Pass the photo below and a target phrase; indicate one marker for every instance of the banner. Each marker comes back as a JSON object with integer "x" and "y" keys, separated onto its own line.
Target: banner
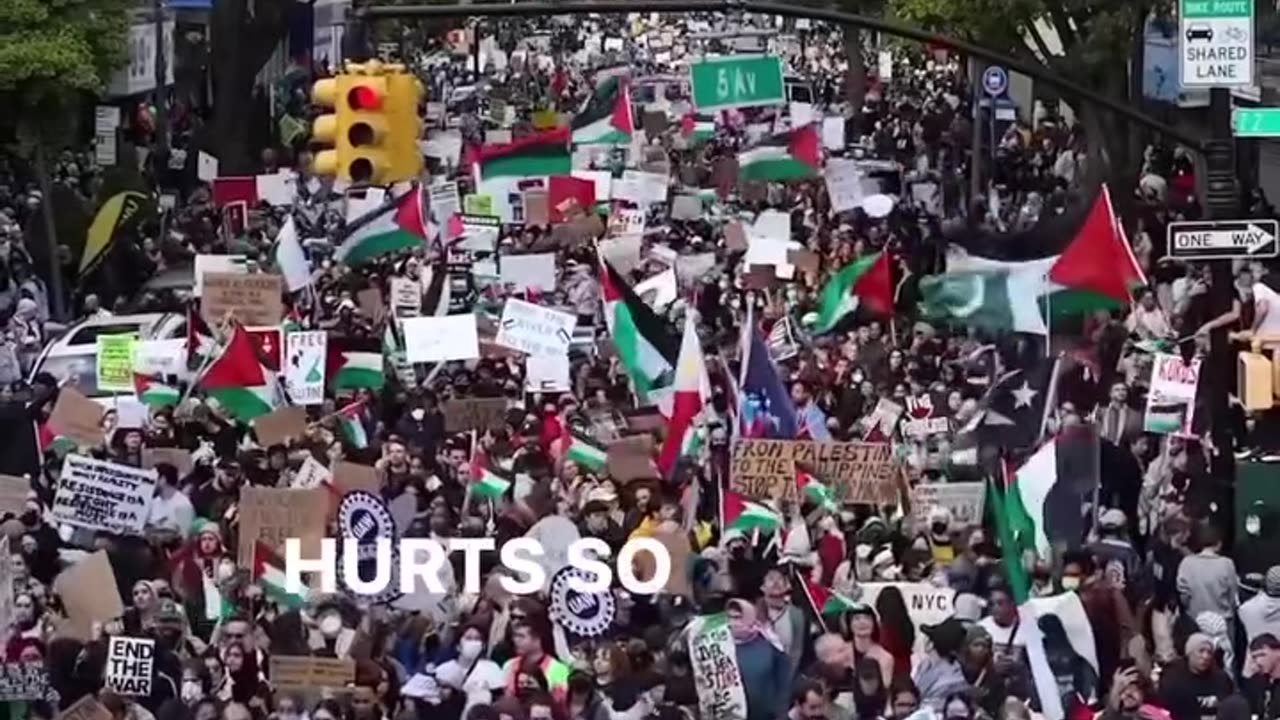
{"x": 721, "y": 695}
{"x": 304, "y": 366}
{"x": 103, "y": 496}
{"x": 462, "y": 414}
{"x": 963, "y": 500}
{"x": 535, "y": 330}
{"x": 115, "y": 363}
{"x": 129, "y": 665}
{"x": 1171, "y": 403}
{"x": 290, "y": 672}
{"x": 856, "y": 472}
{"x": 926, "y": 604}
{"x": 24, "y": 681}
{"x": 273, "y": 515}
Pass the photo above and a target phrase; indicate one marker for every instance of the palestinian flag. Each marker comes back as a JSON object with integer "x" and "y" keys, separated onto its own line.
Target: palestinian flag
{"x": 697, "y": 128}
{"x": 491, "y": 486}
{"x": 239, "y": 381}
{"x": 201, "y": 343}
{"x": 796, "y": 155}
{"x": 606, "y": 117}
{"x": 825, "y": 602}
{"x": 586, "y": 455}
{"x": 739, "y": 514}
{"x": 398, "y": 225}
{"x": 646, "y": 347}
{"x": 154, "y": 393}
{"x": 354, "y": 364}
{"x": 866, "y": 282}
{"x": 1042, "y": 505}
{"x": 991, "y": 299}
{"x": 352, "y": 426}
{"x": 268, "y": 572}
{"x": 811, "y": 489}
{"x": 537, "y": 155}
{"x": 1083, "y": 252}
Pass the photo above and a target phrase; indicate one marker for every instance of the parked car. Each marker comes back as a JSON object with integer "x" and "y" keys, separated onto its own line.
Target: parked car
{"x": 74, "y": 354}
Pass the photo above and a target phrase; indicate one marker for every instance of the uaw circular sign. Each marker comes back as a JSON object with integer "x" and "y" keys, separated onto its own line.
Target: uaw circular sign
{"x": 583, "y": 614}
{"x": 365, "y": 517}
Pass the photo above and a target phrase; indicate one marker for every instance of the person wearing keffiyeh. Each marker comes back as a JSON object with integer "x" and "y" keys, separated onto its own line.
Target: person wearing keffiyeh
{"x": 765, "y": 668}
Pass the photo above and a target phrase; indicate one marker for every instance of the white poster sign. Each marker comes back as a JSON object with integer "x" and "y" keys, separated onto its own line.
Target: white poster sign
{"x": 529, "y": 272}
{"x": 963, "y": 500}
{"x": 546, "y": 373}
{"x": 436, "y": 339}
{"x": 101, "y": 495}
{"x": 304, "y": 366}
{"x": 311, "y": 475}
{"x": 406, "y": 297}
{"x": 1171, "y": 403}
{"x": 844, "y": 184}
{"x": 535, "y": 330}
{"x": 129, "y": 665}
{"x": 926, "y": 604}
{"x": 160, "y": 357}
{"x": 217, "y": 264}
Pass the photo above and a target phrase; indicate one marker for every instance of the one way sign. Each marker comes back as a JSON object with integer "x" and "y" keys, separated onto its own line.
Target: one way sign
{"x": 1224, "y": 239}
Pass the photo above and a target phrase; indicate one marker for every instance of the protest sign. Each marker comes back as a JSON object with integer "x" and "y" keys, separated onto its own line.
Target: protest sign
{"x": 735, "y": 237}
{"x": 86, "y": 708}
{"x": 130, "y": 662}
{"x": 686, "y": 207}
{"x": 478, "y": 204}
{"x": 856, "y": 472}
{"x": 622, "y": 252}
{"x": 716, "y": 675}
{"x": 437, "y": 339}
{"x": 89, "y": 594}
{"x": 349, "y": 476}
{"x": 1171, "y": 403}
{"x": 103, "y": 496}
{"x": 115, "y": 362}
{"x": 300, "y": 672}
{"x": 479, "y": 414}
{"x": 271, "y": 515}
{"x": 844, "y": 184}
{"x": 537, "y": 208}
{"x": 131, "y": 413}
{"x": 630, "y": 459}
{"x": 926, "y": 604}
{"x": 77, "y": 417}
{"x": 14, "y": 492}
{"x": 177, "y": 457}
{"x": 546, "y": 373}
{"x": 691, "y": 268}
{"x": 370, "y": 303}
{"x": 312, "y": 474}
{"x": 280, "y": 426}
{"x": 406, "y": 297}
{"x": 535, "y": 330}
{"x": 528, "y": 272}
{"x": 160, "y": 357}
{"x": 882, "y": 421}
{"x": 24, "y": 681}
{"x": 206, "y": 264}
{"x": 963, "y": 500}
{"x": 251, "y": 299}
{"x": 304, "y": 366}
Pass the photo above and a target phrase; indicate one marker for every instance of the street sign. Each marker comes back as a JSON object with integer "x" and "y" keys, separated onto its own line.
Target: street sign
{"x": 1215, "y": 39}
{"x": 1255, "y": 122}
{"x": 737, "y": 81}
{"x": 995, "y": 80}
{"x": 1224, "y": 240}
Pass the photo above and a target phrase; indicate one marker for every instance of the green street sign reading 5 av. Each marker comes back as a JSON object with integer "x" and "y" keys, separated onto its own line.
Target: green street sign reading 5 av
{"x": 737, "y": 81}
{"x": 1255, "y": 122}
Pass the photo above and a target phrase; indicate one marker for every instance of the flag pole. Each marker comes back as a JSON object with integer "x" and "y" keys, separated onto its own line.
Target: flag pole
{"x": 1048, "y": 321}
{"x": 207, "y": 360}
{"x": 1050, "y": 398}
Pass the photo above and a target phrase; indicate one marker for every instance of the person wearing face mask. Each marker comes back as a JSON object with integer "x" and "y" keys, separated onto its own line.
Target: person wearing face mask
{"x": 787, "y": 621}
{"x": 196, "y": 683}
{"x": 1109, "y": 612}
{"x": 765, "y": 668}
{"x": 597, "y": 523}
{"x": 470, "y": 679}
{"x": 423, "y": 427}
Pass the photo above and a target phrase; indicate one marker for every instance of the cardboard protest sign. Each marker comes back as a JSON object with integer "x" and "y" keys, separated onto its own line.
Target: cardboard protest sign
{"x": 537, "y": 208}
{"x": 804, "y": 260}
{"x": 629, "y": 459}
{"x": 271, "y": 515}
{"x": 534, "y": 329}
{"x": 547, "y": 373}
{"x": 716, "y": 675}
{"x": 89, "y": 594}
{"x": 177, "y": 457}
{"x": 676, "y": 541}
{"x": 349, "y": 476}
{"x": 1171, "y": 404}
{"x": 370, "y": 302}
{"x": 963, "y": 500}
{"x": 77, "y": 417}
{"x": 6, "y": 584}
{"x": 844, "y": 184}
{"x": 130, "y": 662}
{"x": 298, "y": 672}
{"x": 103, "y": 496}
{"x": 86, "y": 708}
{"x": 439, "y": 339}
{"x": 280, "y": 426}
{"x": 312, "y": 474}
{"x": 209, "y": 264}
{"x": 24, "y": 681}
{"x": 480, "y": 414}
{"x": 14, "y": 492}
{"x": 253, "y": 299}
{"x": 735, "y": 237}
{"x": 856, "y": 472}
{"x": 115, "y": 362}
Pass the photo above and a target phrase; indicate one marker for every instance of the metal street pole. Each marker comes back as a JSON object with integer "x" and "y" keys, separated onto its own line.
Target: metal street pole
{"x": 976, "y": 68}
{"x": 162, "y": 88}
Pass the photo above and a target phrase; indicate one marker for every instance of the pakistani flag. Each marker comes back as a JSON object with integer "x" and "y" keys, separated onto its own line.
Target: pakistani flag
{"x": 998, "y": 300}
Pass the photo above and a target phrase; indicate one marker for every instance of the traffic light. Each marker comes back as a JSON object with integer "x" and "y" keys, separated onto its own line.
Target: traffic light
{"x": 374, "y": 129}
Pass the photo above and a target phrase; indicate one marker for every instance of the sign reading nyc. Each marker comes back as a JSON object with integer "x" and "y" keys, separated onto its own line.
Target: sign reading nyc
{"x": 1216, "y": 43}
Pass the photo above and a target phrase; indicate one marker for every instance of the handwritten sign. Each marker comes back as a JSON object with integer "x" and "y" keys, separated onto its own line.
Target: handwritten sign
{"x": 103, "y": 496}
{"x": 115, "y": 363}
{"x": 474, "y": 414}
{"x": 721, "y": 694}
{"x": 24, "y": 681}
{"x": 86, "y": 708}
{"x": 856, "y": 472}
{"x": 273, "y": 515}
{"x": 963, "y": 500}
{"x": 254, "y": 299}
{"x": 77, "y": 417}
{"x": 296, "y": 672}
{"x": 535, "y": 330}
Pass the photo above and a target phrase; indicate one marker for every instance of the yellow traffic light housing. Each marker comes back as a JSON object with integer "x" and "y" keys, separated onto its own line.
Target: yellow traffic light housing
{"x": 375, "y": 127}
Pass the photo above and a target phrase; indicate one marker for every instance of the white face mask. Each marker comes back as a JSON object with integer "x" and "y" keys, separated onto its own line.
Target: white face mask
{"x": 470, "y": 649}
{"x": 418, "y": 413}
{"x": 191, "y": 691}
{"x": 330, "y": 625}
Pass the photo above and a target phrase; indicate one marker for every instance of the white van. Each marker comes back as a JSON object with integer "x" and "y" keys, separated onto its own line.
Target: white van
{"x": 74, "y": 354}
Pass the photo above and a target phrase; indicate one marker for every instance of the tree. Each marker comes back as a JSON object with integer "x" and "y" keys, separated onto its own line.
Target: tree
{"x": 53, "y": 56}
{"x": 1096, "y": 45}
{"x": 243, "y": 35}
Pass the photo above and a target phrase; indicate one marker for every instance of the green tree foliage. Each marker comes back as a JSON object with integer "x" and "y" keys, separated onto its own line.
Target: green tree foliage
{"x": 54, "y": 53}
